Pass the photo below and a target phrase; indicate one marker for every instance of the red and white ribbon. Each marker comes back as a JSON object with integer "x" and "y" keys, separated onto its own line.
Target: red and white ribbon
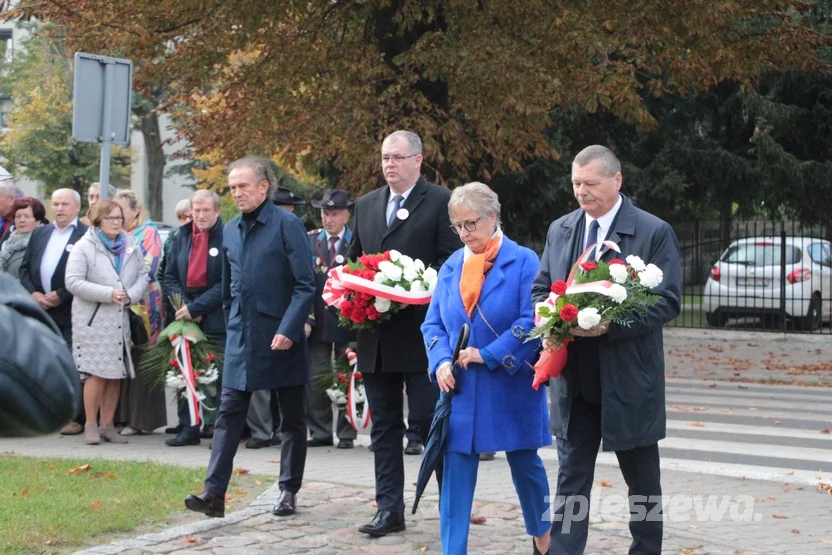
{"x": 357, "y": 421}
{"x": 339, "y": 283}
{"x": 182, "y": 354}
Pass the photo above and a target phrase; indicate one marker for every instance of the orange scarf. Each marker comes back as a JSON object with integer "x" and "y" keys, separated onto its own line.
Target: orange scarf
{"x": 473, "y": 274}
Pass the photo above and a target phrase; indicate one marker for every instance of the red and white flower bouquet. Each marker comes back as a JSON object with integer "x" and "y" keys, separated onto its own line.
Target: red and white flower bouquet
{"x": 594, "y": 292}
{"x": 376, "y": 286}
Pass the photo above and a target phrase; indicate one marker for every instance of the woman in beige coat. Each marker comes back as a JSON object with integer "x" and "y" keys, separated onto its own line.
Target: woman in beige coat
{"x": 106, "y": 274}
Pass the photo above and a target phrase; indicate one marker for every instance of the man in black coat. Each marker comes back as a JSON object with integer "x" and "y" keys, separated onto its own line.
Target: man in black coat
{"x": 43, "y": 269}
{"x": 612, "y": 387}
{"x": 329, "y": 248}
{"x": 410, "y": 215}
{"x": 194, "y": 272}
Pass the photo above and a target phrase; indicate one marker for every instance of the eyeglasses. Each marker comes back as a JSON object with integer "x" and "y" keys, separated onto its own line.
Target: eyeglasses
{"x": 396, "y": 159}
{"x": 114, "y": 219}
{"x": 470, "y": 225}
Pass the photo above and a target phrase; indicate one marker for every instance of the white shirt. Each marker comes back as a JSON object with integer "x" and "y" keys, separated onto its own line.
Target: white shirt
{"x": 54, "y": 251}
{"x": 391, "y": 203}
{"x": 338, "y": 243}
{"x": 604, "y": 224}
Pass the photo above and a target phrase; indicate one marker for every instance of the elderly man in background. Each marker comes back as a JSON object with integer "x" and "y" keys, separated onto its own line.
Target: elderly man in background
{"x": 8, "y": 194}
{"x": 93, "y": 196}
{"x": 194, "y": 272}
{"x": 43, "y": 269}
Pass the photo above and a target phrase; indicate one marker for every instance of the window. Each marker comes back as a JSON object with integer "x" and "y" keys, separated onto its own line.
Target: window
{"x": 821, "y": 253}
{"x": 763, "y": 253}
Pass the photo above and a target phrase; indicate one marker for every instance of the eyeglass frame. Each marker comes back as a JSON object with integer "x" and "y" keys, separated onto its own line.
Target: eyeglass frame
{"x": 113, "y": 219}
{"x": 469, "y": 225}
{"x": 396, "y": 159}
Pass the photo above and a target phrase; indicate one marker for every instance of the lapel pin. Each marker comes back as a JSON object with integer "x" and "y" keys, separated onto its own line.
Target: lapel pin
{"x": 69, "y": 248}
{"x": 339, "y": 259}
{"x": 402, "y": 214}
{"x": 213, "y": 251}
{"x": 129, "y": 250}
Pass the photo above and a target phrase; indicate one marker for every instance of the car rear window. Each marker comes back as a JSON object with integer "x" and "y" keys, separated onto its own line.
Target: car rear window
{"x": 760, "y": 254}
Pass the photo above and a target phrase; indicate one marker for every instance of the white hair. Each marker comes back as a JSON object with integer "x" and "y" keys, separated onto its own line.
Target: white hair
{"x": 413, "y": 140}
{"x": 7, "y": 188}
{"x": 76, "y": 196}
{"x": 203, "y": 194}
{"x": 182, "y": 206}
{"x": 477, "y": 196}
{"x": 597, "y": 152}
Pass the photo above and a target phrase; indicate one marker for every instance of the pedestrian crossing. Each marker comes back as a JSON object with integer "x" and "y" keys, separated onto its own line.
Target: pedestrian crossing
{"x": 752, "y": 431}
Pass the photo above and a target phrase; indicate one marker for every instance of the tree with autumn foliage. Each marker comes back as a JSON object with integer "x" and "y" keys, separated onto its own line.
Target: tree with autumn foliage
{"x": 476, "y": 79}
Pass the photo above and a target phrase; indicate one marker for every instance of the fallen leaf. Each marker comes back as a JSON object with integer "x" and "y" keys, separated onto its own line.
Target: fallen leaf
{"x": 477, "y": 519}
{"x": 79, "y": 469}
{"x": 240, "y": 491}
{"x": 795, "y": 531}
{"x": 95, "y": 505}
{"x": 783, "y": 517}
{"x": 712, "y": 386}
{"x": 24, "y": 492}
{"x": 688, "y": 550}
{"x": 697, "y": 424}
{"x": 603, "y": 484}
{"x": 277, "y": 461}
{"x": 771, "y": 497}
{"x": 777, "y": 422}
{"x": 191, "y": 539}
{"x": 826, "y": 541}
{"x": 825, "y": 431}
{"x": 789, "y": 473}
{"x": 258, "y": 483}
{"x": 241, "y": 471}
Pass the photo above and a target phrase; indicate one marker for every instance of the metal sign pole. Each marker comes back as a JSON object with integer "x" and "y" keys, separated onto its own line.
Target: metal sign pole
{"x": 106, "y": 132}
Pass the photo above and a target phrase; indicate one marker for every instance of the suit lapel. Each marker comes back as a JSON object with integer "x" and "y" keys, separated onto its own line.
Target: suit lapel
{"x": 623, "y": 224}
{"x": 380, "y": 209}
{"x": 413, "y": 200}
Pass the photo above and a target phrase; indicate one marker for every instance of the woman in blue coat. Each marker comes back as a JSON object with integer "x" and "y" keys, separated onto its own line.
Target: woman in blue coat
{"x": 487, "y": 284}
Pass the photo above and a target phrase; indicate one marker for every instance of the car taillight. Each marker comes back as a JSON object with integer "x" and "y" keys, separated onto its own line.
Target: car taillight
{"x": 799, "y": 275}
{"x": 715, "y": 273}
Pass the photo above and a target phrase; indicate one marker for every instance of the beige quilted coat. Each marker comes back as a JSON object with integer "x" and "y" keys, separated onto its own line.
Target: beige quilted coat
{"x": 98, "y": 343}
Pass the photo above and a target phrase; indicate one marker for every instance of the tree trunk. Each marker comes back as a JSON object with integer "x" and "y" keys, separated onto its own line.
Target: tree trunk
{"x": 725, "y": 206}
{"x": 155, "y": 154}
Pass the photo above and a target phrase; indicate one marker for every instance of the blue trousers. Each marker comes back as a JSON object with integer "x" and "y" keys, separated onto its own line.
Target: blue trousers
{"x": 458, "y": 484}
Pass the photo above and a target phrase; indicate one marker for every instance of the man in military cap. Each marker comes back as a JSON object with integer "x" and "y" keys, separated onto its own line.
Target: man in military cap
{"x": 263, "y": 417}
{"x": 329, "y": 248}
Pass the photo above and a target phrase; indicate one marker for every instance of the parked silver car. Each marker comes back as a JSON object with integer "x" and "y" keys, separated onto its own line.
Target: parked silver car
{"x": 746, "y": 281}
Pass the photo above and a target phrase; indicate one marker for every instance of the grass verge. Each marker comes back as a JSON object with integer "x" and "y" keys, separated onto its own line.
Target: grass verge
{"x": 51, "y": 506}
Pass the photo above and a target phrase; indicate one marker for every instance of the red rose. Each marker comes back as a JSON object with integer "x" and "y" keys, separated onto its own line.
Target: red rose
{"x": 569, "y": 312}
{"x": 358, "y": 375}
{"x": 342, "y": 378}
{"x": 588, "y": 266}
{"x": 358, "y": 316}
{"x": 372, "y": 313}
{"x": 346, "y": 308}
{"x": 559, "y": 287}
{"x": 209, "y": 358}
{"x": 385, "y": 256}
{"x": 617, "y": 261}
{"x": 174, "y": 363}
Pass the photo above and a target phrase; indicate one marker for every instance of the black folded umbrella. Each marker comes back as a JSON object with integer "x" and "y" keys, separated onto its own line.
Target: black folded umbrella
{"x": 438, "y": 435}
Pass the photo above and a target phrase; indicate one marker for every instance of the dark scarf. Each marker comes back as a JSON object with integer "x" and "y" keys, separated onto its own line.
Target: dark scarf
{"x": 198, "y": 260}
{"x": 250, "y": 217}
{"x": 116, "y": 248}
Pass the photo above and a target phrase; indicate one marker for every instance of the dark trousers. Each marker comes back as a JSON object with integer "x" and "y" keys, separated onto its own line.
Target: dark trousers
{"x": 576, "y": 471}
{"x": 229, "y": 429}
{"x": 384, "y": 393}
{"x": 413, "y": 433}
{"x": 318, "y": 404}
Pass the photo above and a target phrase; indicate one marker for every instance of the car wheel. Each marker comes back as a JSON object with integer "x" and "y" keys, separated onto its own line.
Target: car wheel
{"x": 811, "y": 321}
{"x": 716, "y": 319}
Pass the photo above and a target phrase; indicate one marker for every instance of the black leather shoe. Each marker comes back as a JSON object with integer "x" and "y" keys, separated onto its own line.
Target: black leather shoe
{"x": 207, "y": 503}
{"x": 174, "y": 430}
{"x": 346, "y": 444}
{"x": 385, "y": 522}
{"x": 276, "y": 439}
{"x": 207, "y": 431}
{"x": 257, "y": 443}
{"x": 312, "y": 442}
{"x": 286, "y": 504}
{"x": 414, "y": 447}
{"x": 181, "y": 440}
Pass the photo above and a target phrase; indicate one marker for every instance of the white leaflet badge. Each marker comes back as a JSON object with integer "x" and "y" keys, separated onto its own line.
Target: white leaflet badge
{"x": 213, "y": 251}
{"x": 129, "y": 250}
{"x": 69, "y": 248}
{"x": 402, "y": 214}
{"x": 339, "y": 259}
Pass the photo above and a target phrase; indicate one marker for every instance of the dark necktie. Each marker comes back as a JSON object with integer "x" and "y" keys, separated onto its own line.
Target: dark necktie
{"x": 332, "y": 241}
{"x": 397, "y": 203}
{"x": 592, "y": 238}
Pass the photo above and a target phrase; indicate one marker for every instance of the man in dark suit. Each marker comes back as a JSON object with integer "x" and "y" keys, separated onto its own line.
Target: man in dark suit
{"x": 410, "y": 215}
{"x": 268, "y": 284}
{"x": 612, "y": 387}
{"x": 43, "y": 268}
{"x": 329, "y": 248}
{"x": 194, "y": 272}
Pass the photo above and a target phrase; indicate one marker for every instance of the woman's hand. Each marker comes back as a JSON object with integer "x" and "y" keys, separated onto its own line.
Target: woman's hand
{"x": 595, "y": 331}
{"x": 445, "y": 378}
{"x": 120, "y": 297}
{"x": 471, "y": 355}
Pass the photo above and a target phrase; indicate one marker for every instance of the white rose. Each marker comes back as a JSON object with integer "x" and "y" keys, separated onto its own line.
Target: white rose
{"x": 651, "y": 277}
{"x": 382, "y": 305}
{"x": 588, "y": 318}
{"x": 420, "y": 266}
{"x": 429, "y": 276}
{"x": 407, "y": 262}
{"x": 395, "y": 255}
{"x": 618, "y": 272}
{"x": 390, "y": 271}
{"x": 636, "y": 262}
{"x": 431, "y": 286}
{"x": 399, "y": 287}
{"x": 379, "y": 277}
{"x": 417, "y": 286}
{"x": 410, "y": 273}
{"x": 617, "y": 293}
